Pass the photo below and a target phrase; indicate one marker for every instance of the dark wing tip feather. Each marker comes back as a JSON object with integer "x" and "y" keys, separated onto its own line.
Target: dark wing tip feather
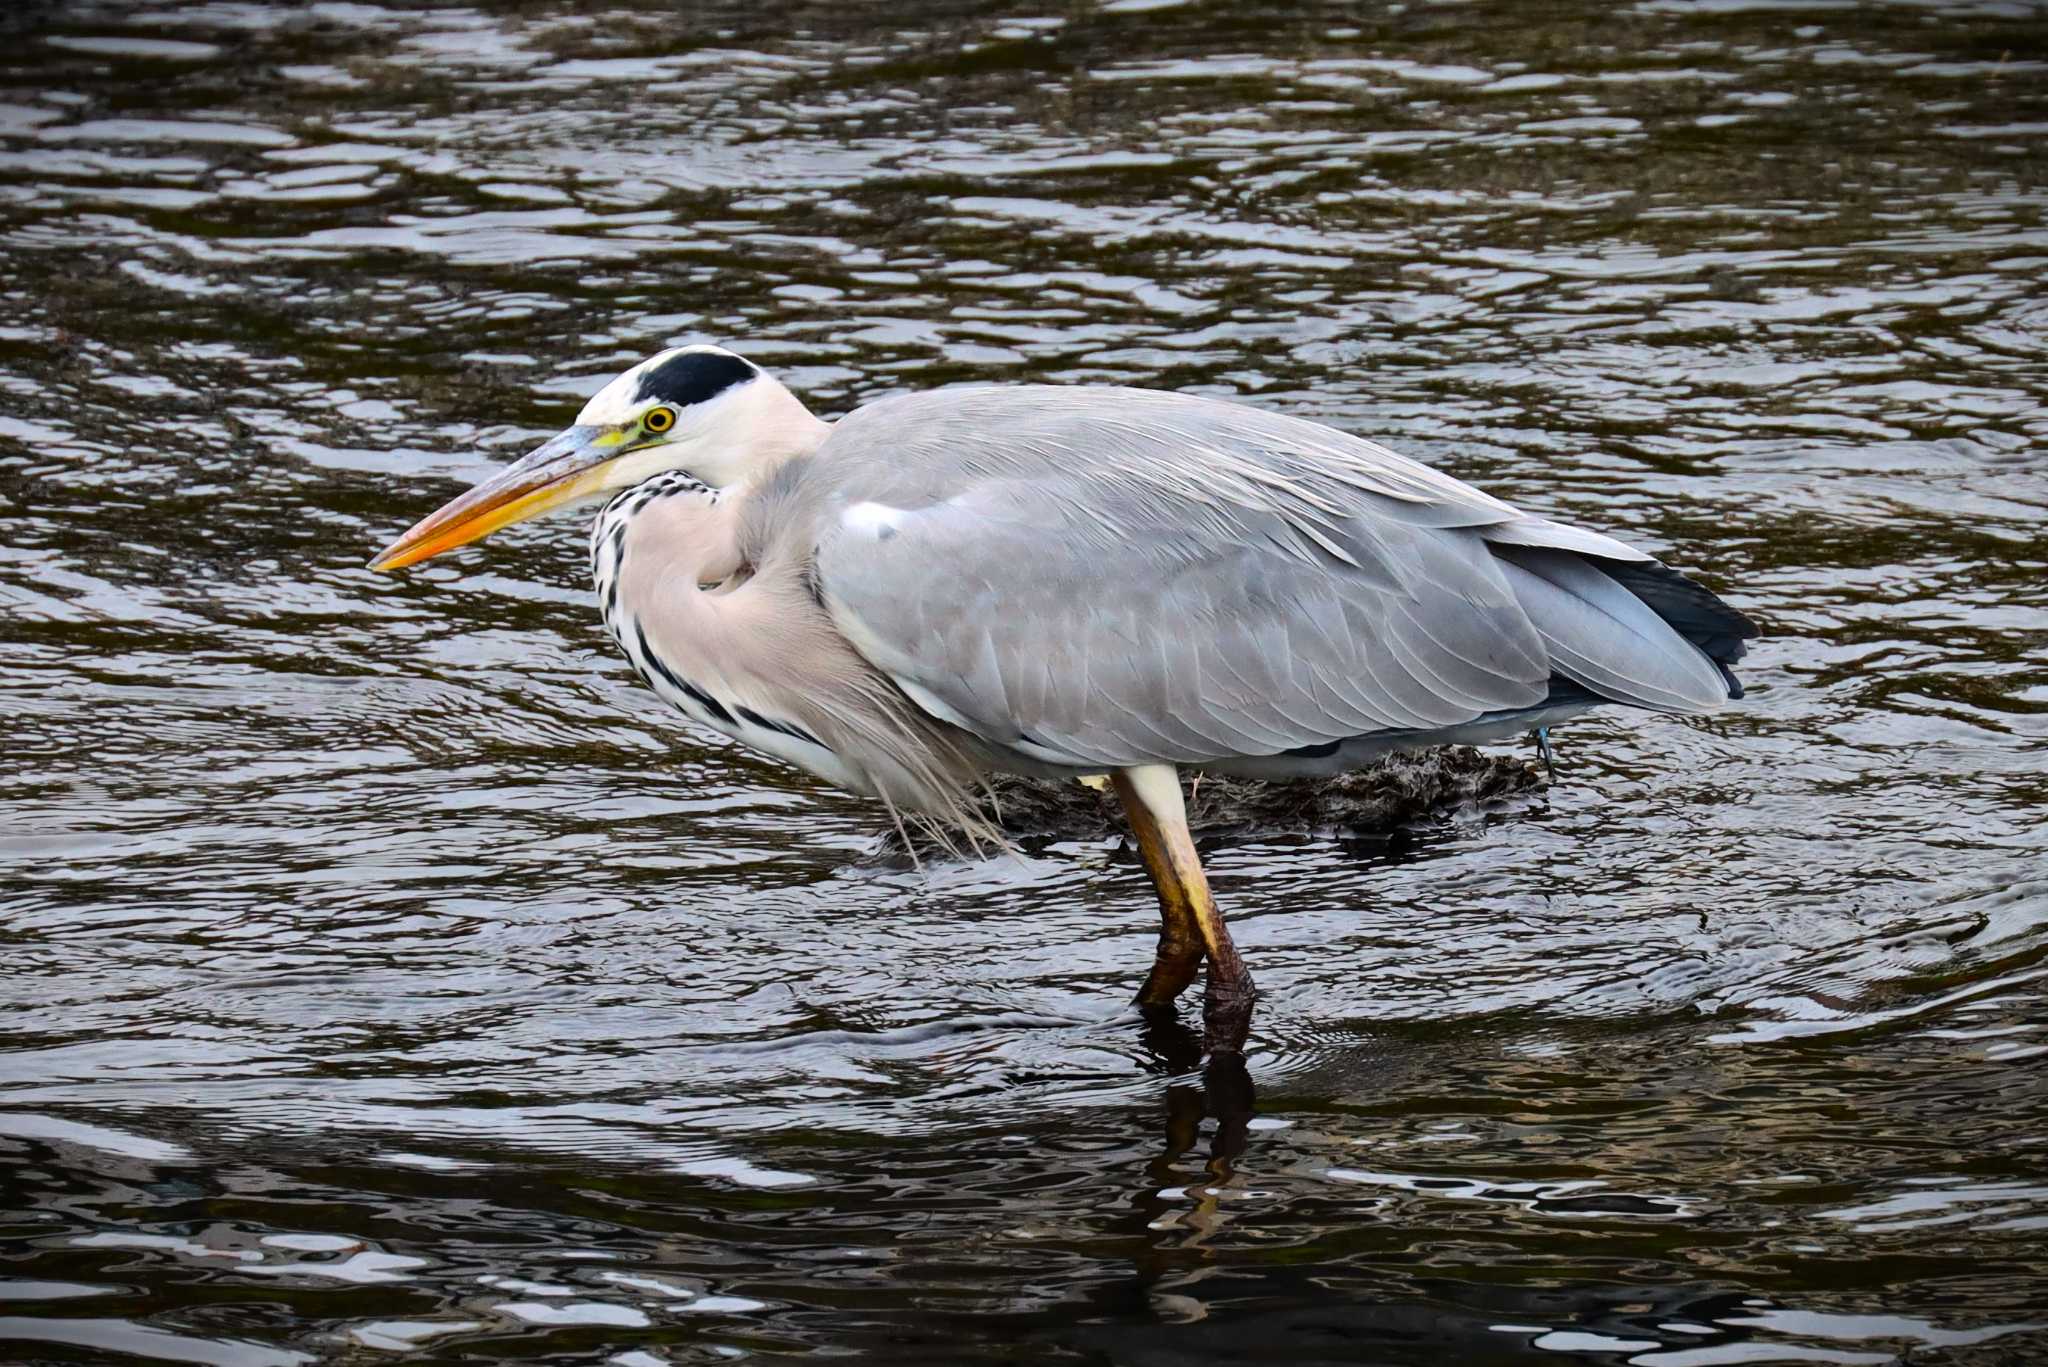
{"x": 1693, "y": 611}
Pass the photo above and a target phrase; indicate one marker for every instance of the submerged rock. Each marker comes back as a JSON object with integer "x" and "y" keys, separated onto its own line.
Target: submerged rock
{"x": 1453, "y": 783}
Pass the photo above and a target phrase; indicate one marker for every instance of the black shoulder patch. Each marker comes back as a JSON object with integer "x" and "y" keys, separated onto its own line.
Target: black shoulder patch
{"x": 693, "y": 377}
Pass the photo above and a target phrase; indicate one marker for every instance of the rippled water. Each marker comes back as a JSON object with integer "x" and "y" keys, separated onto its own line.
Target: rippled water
{"x": 387, "y": 974}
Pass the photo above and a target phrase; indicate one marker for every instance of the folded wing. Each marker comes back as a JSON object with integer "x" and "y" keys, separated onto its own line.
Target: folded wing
{"x": 1114, "y": 577}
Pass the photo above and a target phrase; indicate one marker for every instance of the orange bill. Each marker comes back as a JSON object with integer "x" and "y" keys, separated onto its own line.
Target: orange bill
{"x": 563, "y": 470}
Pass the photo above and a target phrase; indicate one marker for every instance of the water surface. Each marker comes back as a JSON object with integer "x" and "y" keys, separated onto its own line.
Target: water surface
{"x": 387, "y": 974}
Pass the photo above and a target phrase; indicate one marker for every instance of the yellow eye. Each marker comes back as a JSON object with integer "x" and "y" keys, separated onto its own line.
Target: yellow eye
{"x": 658, "y": 419}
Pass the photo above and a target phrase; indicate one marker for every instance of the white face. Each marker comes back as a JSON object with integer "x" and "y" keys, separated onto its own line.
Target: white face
{"x": 677, "y": 410}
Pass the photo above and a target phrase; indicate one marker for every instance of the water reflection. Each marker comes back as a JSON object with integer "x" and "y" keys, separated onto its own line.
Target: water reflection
{"x": 385, "y": 974}
{"x": 1381, "y": 1210}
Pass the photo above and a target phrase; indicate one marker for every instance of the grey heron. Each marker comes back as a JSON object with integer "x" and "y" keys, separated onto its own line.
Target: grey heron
{"x": 1083, "y": 580}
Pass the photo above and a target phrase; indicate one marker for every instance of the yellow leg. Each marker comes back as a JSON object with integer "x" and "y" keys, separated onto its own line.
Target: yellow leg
{"x": 1191, "y": 926}
{"x": 1180, "y": 938}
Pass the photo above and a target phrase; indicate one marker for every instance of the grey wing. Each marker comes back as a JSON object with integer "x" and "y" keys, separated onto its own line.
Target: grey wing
{"x": 1171, "y": 580}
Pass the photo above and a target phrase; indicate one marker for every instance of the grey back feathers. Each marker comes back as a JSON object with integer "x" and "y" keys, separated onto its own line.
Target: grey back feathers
{"x": 1100, "y": 577}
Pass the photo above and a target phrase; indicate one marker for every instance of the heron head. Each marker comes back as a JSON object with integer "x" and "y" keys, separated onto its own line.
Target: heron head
{"x": 696, "y": 408}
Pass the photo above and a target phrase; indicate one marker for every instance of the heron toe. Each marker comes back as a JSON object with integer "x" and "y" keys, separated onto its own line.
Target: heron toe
{"x": 1227, "y": 1011}
{"x": 1173, "y": 968}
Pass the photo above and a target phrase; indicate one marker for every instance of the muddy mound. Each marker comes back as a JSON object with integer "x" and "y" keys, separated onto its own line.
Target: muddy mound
{"x": 1453, "y": 783}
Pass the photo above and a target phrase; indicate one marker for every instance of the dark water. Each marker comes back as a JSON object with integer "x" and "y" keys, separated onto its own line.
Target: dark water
{"x": 387, "y": 975}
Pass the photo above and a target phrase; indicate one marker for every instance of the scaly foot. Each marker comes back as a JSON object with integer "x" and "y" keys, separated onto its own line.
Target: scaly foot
{"x": 1227, "y": 1010}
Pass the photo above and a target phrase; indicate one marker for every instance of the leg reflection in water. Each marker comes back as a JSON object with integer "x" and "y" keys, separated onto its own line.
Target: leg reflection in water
{"x": 1224, "y": 1094}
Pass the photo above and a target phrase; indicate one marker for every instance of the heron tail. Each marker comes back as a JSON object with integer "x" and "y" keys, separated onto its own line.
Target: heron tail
{"x": 1631, "y": 631}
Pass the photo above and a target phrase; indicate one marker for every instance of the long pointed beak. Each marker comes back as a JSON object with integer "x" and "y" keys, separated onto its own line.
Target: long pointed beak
{"x": 563, "y": 469}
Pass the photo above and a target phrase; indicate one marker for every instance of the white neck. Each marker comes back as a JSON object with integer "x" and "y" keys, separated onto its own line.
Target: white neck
{"x": 778, "y": 429}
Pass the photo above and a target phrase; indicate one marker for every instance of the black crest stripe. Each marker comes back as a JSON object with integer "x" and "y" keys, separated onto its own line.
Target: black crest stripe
{"x": 693, "y": 377}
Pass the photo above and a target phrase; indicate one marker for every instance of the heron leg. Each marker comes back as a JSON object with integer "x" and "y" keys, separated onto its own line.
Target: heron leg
{"x": 1151, "y": 795}
{"x": 1180, "y": 936}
